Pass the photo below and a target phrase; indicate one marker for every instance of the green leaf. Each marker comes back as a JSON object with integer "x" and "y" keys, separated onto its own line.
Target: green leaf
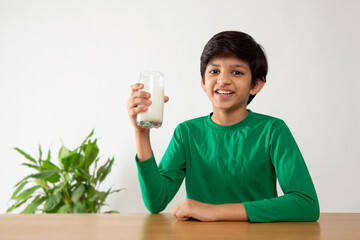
{"x": 76, "y": 160}
{"x": 79, "y": 207}
{"x": 21, "y": 181}
{"x": 66, "y": 177}
{"x": 64, "y": 209}
{"x": 91, "y": 153}
{"x": 19, "y": 188}
{"x": 59, "y": 189}
{"x": 31, "y": 166}
{"x": 90, "y": 192}
{"x": 50, "y": 203}
{"x": 40, "y": 153}
{"x": 50, "y": 166}
{"x": 112, "y": 211}
{"x": 58, "y": 198}
{"x": 67, "y": 162}
{"x": 117, "y": 190}
{"x": 89, "y": 136}
{"x": 76, "y": 195}
{"x": 98, "y": 197}
{"x": 63, "y": 153}
{"x": 99, "y": 173}
{"x": 95, "y": 166}
{"x": 94, "y": 196}
{"x": 26, "y": 194}
{"x": 104, "y": 170}
{"x": 42, "y": 183}
{"x": 32, "y": 207}
{"x": 44, "y": 174}
{"x": 53, "y": 179}
{"x": 81, "y": 175}
{"x": 15, "y": 205}
{"x": 27, "y": 156}
{"x": 48, "y": 155}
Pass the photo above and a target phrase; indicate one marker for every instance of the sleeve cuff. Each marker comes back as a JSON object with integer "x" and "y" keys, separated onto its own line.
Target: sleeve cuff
{"x": 144, "y": 164}
{"x": 249, "y": 211}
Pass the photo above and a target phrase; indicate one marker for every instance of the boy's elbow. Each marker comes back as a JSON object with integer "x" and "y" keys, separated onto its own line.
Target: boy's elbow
{"x": 307, "y": 208}
{"x": 154, "y": 203}
{"x": 153, "y": 209}
{"x": 314, "y": 214}
{"x": 312, "y": 211}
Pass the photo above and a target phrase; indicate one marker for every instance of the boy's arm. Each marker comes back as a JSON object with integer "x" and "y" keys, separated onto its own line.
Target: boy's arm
{"x": 139, "y": 102}
{"x": 143, "y": 145}
{"x": 155, "y": 189}
{"x": 159, "y": 184}
{"x": 299, "y": 202}
{"x": 209, "y": 212}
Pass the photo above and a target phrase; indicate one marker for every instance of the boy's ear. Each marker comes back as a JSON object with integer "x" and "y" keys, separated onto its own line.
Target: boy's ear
{"x": 203, "y": 84}
{"x": 258, "y": 86}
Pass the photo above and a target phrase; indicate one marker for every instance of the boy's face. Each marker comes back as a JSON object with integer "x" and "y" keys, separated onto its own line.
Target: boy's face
{"x": 228, "y": 83}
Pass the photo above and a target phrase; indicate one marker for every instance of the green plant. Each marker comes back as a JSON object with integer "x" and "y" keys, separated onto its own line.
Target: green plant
{"x": 71, "y": 187}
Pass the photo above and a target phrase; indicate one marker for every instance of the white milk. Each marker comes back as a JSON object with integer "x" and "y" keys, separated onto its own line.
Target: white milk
{"x": 153, "y": 117}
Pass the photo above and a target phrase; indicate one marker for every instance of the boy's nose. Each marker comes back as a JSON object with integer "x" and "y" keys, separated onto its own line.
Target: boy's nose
{"x": 223, "y": 80}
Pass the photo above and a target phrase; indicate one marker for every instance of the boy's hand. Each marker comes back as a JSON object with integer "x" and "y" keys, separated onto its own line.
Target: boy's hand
{"x": 142, "y": 135}
{"x": 136, "y": 99}
{"x": 194, "y": 209}
{"x": 209, "y": 212}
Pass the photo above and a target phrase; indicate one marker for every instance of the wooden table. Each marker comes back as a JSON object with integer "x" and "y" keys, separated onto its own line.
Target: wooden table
{"x": 165, "y": 226}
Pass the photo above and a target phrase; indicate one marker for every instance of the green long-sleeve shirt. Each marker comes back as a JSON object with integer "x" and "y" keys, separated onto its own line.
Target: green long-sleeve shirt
{"x": 234, "y": 164}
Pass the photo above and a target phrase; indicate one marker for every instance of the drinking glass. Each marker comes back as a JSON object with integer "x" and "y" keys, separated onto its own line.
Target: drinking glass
{"x": 154, "y": 84}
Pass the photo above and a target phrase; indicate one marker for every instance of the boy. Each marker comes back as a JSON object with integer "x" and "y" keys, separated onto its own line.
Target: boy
{"x": 231, "y": 158}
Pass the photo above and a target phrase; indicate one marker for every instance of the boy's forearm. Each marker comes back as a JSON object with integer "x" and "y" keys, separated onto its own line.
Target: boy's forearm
{"x": 209, "y": 212}
{"x": 143, "y": 145}
{"x": 231, "y": 212}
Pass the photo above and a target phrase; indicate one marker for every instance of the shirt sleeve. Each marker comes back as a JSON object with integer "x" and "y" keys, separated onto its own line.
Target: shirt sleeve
{"x": 160, "y": 184}
{"x": 299, "y": 202}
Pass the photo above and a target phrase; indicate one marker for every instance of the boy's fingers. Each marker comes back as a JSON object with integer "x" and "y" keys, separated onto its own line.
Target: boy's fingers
{"x": 181, "y": 215}
{"x": 175, "y": 210}
{"x": 133, "y": 103}
{"x": 166, "y": 99}
{"x": 140, "y": 94}
{"x": 136, "y": 110}
{"x": 136, "y": 86}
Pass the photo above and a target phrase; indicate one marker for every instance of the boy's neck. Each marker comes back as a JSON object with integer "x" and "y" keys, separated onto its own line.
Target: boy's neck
{"x": 224, "y": 118}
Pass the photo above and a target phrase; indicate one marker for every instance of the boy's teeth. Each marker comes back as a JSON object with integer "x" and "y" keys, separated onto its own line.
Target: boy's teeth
{"x": 223, "y": 92}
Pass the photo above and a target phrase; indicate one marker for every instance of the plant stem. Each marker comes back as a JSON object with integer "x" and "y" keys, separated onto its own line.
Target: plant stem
{"x": 67, "y": 197}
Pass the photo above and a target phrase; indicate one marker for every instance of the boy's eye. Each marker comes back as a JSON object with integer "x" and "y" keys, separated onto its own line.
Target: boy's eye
{"x": 237, "y": 73}
{"x": 214, "y": 71}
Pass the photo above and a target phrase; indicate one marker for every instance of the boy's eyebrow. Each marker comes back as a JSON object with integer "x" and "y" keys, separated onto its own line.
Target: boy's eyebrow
{"x": 239, "y": 66}
{"x": 234, "y": 66}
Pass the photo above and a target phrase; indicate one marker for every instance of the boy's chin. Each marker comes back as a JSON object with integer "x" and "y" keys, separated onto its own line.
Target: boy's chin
{"x": 229, "y": 108}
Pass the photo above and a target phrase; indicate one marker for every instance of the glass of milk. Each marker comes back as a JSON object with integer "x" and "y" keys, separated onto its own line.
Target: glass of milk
{"x": 154, "y": 84}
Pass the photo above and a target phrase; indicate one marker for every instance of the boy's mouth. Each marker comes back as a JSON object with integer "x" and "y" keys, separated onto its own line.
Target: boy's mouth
{"x": 224, "y": 92}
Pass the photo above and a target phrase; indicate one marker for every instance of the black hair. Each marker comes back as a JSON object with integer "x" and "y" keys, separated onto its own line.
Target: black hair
{"x": 241, "y": 45}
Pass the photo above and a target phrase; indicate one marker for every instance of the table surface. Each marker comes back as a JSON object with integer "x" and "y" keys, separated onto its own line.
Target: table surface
{"x": 340, "y": 226}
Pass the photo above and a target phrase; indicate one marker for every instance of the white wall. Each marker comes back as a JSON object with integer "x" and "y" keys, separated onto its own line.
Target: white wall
{"x": 66, "y": 67}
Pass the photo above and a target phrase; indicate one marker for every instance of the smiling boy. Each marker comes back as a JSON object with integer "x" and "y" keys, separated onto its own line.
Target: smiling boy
{"x": 228, "y": 84}
{"x": 231, "y": 158}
